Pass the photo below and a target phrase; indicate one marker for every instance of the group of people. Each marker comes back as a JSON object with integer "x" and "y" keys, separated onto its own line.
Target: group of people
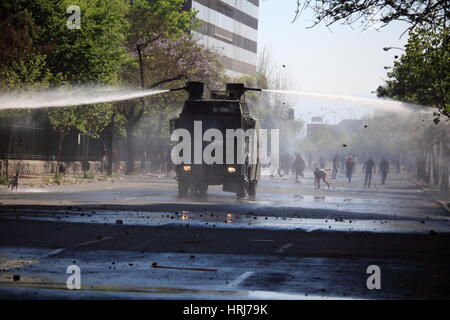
{"x": 291, "y": 163}
{"x": 348, "y": 167}
{"x": 369, "y": 169}
{"x": 345, "y": 164}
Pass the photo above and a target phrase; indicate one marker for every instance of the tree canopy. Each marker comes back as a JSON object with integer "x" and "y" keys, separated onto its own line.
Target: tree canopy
{"x": 422, "y": 74}
{"x": 369, "y": 12}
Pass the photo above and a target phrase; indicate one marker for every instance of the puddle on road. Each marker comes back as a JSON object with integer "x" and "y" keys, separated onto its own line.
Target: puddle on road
{"x": 232, "y": 220}
{"x": 30, "y": 283}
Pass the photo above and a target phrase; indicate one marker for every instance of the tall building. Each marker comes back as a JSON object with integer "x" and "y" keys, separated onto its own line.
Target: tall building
{"x": 230, "y": 29}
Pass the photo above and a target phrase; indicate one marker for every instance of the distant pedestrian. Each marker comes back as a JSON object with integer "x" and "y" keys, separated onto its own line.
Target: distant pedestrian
{"x": 14, "y": 182}
{"x": 322, "y": 162}
{"x": 62, "y": 170}
{"x": 299, "y": 166}
{"x": 397, "y": 165}
{"x": 285, "y": 162}
{"x": 349, "y": 168}
{"x": 288, "y": 163}
{"x": 336, "y": 166}
{"x": 320, "y": 174}
{"x": 384, "y": 170}
{"x": 343, "y": 162}
{"x": 368, "y": 169}
{"x": 275, "y": 164}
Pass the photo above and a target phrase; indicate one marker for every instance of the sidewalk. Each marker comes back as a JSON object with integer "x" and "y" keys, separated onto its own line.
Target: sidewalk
{"x": 441, "y": 197}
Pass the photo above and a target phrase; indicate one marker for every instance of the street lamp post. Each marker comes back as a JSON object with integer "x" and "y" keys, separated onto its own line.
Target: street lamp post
{"x": 389, "y": 48}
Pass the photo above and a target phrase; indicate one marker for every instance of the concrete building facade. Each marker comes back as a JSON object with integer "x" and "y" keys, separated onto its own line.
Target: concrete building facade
{"x": 230, "y": 29}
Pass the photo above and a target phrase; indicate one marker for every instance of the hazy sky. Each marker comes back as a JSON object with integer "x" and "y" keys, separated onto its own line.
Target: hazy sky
{"x": 342, "y": 60}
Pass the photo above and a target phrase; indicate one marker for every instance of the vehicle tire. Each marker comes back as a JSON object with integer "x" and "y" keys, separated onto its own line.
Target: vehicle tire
{"x": 193, "y": 188}
{"x": 183, "y": 188}
{"x": 251, "y": 190}
{"x": 202, "y": 190}
{"x": 241, "y": 192}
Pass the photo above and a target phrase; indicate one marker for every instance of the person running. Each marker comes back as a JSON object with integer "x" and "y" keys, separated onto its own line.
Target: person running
{"x": 299, "y": 166}
{"x": 320, "y": 174}
{"x": 349, "y": 167}
{"x": 368, "y": 169}
{"x": 384, "y": 170}
{"x": 336, "y": 166}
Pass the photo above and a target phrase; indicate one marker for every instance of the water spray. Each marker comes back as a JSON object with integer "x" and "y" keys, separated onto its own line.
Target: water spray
{"x": 86, "y": 95}
{"x": 71, "y": 96}
{"x": 386, "y": 105}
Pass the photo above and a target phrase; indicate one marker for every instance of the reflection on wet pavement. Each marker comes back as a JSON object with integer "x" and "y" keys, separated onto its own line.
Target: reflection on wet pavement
{"x": 230, "y": 220}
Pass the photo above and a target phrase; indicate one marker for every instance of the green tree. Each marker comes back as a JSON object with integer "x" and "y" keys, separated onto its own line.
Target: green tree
{"x": 93, "y": 54}
{"x": 422, "y": 74}
{"x": 158, "y": 42}
{"x": 368, "y": 12}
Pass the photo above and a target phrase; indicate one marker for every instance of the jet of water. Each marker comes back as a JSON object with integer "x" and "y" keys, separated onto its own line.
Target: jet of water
{"x": 385, "y": 105}
{"x": 70, "y": 96}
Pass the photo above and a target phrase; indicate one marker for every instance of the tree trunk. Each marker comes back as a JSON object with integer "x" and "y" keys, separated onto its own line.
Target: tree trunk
{"x": 141, "y": 67}
{"x": 445, "y": 159}
{"x": 110, "y": 145}
{"x": 11, "y": 133}
{"x": 428, "y": 159}
{"x": 130, "y": 147}
{"x": 436, "y": 152}
{"x": 421, "y": 163}
{"x": 60, "y": 146}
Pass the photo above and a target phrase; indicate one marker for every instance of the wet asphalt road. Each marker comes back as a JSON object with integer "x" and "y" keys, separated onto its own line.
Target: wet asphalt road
{"x": 133, "y": 238}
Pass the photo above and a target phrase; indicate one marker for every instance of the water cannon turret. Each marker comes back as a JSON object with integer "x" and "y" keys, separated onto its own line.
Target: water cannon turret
{"x": 236, "y": 90}
{"x": 194, "y": 88}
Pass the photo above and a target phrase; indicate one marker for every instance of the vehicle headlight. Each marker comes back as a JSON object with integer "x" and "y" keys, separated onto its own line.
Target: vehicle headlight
{"x": 187, "y": 168}
{"x": 231, "y": 169}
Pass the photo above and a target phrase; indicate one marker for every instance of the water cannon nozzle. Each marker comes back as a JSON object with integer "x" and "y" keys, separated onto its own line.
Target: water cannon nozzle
{"x": 253, "y": 89}
{"x": 194, "y": 88}
{"x": 237, "y": 90}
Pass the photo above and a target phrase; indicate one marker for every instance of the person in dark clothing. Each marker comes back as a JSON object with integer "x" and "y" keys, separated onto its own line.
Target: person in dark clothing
{"x": 349, "y": 167}
{"x": 336, "y": 166}
{"x": 322, "y": 162}
{"x": 62, "y": 169}
{"x": 285, "y": 163}
{"x": 298, "y": 166}
{"x": 310, "y": 159}
{"x": 384, "y": 170}
{"x": 397, "y": 165}
{"x": 14, "y": 182}
{"x": 288, "y": 163}
{"x": 368, "y": 169}
{"x": 320, "y": 174}
{"x": 343, "y": 162}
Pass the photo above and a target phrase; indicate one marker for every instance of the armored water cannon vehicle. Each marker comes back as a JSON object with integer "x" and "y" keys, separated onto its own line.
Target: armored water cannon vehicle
{"x": 223, "y": 147}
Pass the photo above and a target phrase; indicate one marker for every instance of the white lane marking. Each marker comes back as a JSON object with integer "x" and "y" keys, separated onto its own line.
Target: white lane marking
{"x": 284, "y": 248}
{"x": 55, "y": 252}
{"x": 90, "y": 242}
{"x": 141, "y": 244}
{"x": 240, "y": 279}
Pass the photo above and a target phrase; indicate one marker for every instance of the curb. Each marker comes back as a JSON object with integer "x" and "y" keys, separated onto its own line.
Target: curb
{"x": 442, "y": 203}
